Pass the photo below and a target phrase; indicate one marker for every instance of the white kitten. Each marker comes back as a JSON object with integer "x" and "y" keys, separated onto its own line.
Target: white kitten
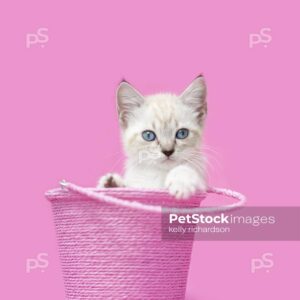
{"x": 162, "y": 135}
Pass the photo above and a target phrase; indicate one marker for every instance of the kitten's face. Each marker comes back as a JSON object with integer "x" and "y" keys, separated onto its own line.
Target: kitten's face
{"x": 163, "y": 129}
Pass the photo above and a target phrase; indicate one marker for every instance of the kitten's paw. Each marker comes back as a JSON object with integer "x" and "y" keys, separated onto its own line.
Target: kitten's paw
{"x": 180, "y": 188}
{"x": 111, "y": 180}
{"x": 183, "y": 182}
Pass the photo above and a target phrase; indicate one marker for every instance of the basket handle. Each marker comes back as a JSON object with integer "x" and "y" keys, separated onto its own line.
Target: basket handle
{"x": 101, "y": 196}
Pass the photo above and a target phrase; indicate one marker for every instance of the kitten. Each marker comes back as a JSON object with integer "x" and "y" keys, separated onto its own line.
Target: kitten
{"x": 162, "y": 135}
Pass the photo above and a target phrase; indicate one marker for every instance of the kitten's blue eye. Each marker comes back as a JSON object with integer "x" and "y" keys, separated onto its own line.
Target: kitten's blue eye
{"x": 148, "y": 135}
{"x": 182, "y": 133}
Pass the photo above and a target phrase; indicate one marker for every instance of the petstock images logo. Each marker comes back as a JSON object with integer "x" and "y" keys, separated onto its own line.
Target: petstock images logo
{"x": 243, "y": 224}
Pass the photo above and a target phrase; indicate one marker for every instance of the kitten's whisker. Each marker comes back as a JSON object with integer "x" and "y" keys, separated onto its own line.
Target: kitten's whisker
{"x": 202, "y": 168}
{"x": 116, "y": 163}
{"x": 212, "y": 166}
{"x": 208, "y": 147}
{"x": 208, "y": 156}
{"x": 113, "y": 154}
{"x": 203, "y": 160}
{"x": 200, "y": 164}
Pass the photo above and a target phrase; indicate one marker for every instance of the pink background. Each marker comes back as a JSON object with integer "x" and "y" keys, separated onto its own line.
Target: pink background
{"x": 58, "y": 120}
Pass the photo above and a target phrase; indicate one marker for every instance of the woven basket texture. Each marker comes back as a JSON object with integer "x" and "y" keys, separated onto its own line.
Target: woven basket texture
{"x": 115, "y": 252}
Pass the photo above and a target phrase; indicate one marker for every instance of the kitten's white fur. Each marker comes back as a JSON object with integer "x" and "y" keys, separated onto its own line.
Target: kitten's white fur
{"x": 147, "y": 167}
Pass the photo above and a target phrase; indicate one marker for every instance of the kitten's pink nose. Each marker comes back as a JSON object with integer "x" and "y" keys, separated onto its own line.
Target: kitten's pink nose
{"x": 168, "y": 152}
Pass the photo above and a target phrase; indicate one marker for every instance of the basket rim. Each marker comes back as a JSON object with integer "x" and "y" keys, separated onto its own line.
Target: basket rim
{"x": 60, "y": 192}
{"x": 110, "y": 195}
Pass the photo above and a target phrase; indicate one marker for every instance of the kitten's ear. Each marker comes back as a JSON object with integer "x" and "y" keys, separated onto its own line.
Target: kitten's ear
{"x": 128, "y": 99}
{"x": 195, "y": 96}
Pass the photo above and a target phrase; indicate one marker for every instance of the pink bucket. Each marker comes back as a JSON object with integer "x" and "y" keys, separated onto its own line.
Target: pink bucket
{"x": 110, "y": 243}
